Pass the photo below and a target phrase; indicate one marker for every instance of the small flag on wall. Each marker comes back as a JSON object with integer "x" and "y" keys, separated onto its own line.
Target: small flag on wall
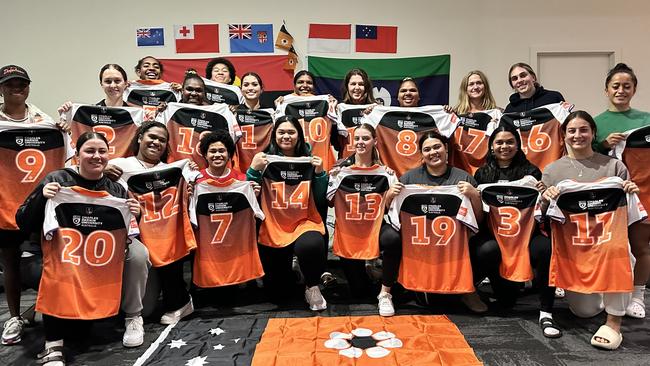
{"x": 253, "y": 38}
{"x": 329, "y": 38}
{"x": 284, "y": 40}
{"x": 197, "y": 38}
{"x": 375, "y": 38}
{"x": 150, "y": 37}
{"x": 292, "y": 60}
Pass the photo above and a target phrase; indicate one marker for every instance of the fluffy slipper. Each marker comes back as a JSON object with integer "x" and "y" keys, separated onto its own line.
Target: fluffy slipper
{"x": 636, "y": 309}
{"x": 548, "y": 323}
{"x": 606, "y": 338}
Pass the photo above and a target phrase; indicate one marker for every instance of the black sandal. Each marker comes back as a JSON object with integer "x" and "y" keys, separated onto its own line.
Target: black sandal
{"x": 47, "y": 355}
{"x": 546, "y": 323}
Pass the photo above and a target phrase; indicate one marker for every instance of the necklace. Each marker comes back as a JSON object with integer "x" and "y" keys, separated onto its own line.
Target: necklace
{"x": 575, "y": 167}
{"x": 141, "y": 163}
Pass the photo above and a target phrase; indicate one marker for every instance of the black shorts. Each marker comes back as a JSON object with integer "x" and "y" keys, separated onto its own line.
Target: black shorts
{"x": 11, "y": 238}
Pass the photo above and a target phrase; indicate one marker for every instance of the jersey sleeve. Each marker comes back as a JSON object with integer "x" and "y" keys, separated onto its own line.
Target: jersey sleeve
{"x": 50, "y": 224}
{"x": 466, "y": 214}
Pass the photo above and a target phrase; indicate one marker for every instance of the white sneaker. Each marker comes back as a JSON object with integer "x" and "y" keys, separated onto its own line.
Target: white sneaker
{"x": 386, "y": 307}
{"x": 134, "y": 333}
{"x": 559, "y": 293}
{"x": 13, "y": 330}
{"x": 315, "y": 299}
{"x": 174, "y": 316}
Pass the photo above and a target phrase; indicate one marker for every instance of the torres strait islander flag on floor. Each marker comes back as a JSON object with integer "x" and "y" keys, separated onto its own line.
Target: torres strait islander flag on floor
{"x": 318, "y": 341}
{"x": 277, "y": 80}
{"x": 431, "y": 73}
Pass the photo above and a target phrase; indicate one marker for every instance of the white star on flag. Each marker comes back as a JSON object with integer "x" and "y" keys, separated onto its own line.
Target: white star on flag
{"x": 236, "y": 340}
{"x": 197, "y": 361}
{"x": 218, "y": 347}
{"x": 217, "y": 331}
{"x": 177, "y": 343}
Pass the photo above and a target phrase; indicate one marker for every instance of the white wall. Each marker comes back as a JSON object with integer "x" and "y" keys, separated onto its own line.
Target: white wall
{"x": 63, "y": 43}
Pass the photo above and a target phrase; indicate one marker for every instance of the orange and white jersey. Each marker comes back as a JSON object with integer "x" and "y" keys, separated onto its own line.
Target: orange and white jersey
{"x": 511, "y": 219}
{"x": 358, "y": 195}
{"x": 187, "y": 123}
{"x": 256, "y": 127}
{"x": 349, "y": 116}
{"x": 29, "y": 152}
{"x": 148, "y": 94}
{"x": 216, "y": 92}
{"x": 634, "y": 151}
{"x": 227, "y": 239}
{"x": 399, "y": 129}
{"x": 287, "y": 201}
{"x": 117, "y": 124}
{"x": 85, "y": 238}
{"x": 314, "y": 115}
{"x": 541, "y": 133}
{"x": 435, "y": 222}
{"x": 589, "y": 236}
{"x": 165, "y": 226}
{"x": 469, "y": 145}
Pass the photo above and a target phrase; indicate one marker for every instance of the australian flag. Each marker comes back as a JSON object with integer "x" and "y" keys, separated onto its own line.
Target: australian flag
{"x": 150, "y": 37}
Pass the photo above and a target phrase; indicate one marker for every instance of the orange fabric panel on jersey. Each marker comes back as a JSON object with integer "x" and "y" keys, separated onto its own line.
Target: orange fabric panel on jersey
{"x": 392, "y": 341}
{"x": 317, "y": 133}
{"x": 350, "y": 118}
{"x": 116, "y": 124}
{"x": 636, "y": 159}
{"x": 469, "y": 145}
{"x": 288, "y": 204}
{"x": 256, "y": 130}
{"x": 164, "y": 222}
{"x": 359, "y": 210}
{"x": 590, "y": 250}
{"x": 27, "y": 156}
{"x": 512, "y": 220}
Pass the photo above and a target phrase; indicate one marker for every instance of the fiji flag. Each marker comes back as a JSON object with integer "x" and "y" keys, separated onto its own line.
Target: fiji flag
{"x": 150, "y": 37}
{"x": 251, "y": 38}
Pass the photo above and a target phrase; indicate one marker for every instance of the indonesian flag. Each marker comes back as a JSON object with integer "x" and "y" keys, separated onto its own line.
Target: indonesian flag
{"x": 329, "y": 38}
{"x": 197, "y": 38}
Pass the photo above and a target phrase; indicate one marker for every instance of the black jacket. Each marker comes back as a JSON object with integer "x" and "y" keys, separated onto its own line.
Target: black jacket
{"x": 541, "y": 97}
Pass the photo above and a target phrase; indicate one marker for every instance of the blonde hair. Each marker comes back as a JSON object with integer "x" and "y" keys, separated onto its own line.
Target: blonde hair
{"x": 463, "y": 105}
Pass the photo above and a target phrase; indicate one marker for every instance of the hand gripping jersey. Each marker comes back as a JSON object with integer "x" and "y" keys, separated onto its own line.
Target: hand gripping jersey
{"x": 589, "y": 235}
{"x": 540, "y": 131}
{"x": 634, "y": 151}
{"x": 165, "y": 226}
{"x": 313, "y": 113}
{"x": 511, "y": 218}
{"x": 187, "y": 123}
{"x": 434, "y": 223}
{"x": 349, "y": 116}
{"x": 216, "y": 92}
{"x": 358, "y": 194}
{"x": 256, "y": 127}
{"x": 29, "y": 152}
{"x": 117, "y": 124}
{"x": 85, "y": 238}
{"x": 287, "y": 201}
{"x": 399, "y": 128}
{"x": 148, "y": 94}
{"x": 469, "y": 146}
{"x": 227, "y": 240}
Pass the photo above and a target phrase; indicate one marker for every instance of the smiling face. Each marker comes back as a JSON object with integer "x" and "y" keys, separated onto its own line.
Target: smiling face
{"x": 217, "y": 156}
{"x": 579, "y": 135}
{"x": 93, "y": 157}
{"x": 364, "y": 143}
{"x": 15, "y": 91}
{"x": 153, "y": 143}
{"x": 408, "y": 94}
{"x": 475, "y": 87}
{"x": 193, "y": 92}
{"x": 522, "y": 81}
{"x": 504, "y": 147}
{"x": 304, "y": 85}
{"x": 251, "y": 88}
{"x": 286, "y": 137}
{"x": 357, "y": 89}
{"x": 620, "y": 90}
{"x": 149, "y": 69}
{"x": 434, "y": 153}
{"x": 221, "y": 74}
{"x": 113, "y": 83}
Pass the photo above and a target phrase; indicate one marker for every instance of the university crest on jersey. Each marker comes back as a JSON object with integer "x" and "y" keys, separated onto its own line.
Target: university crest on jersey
{"x": 20, "y": 140}
{"x": 76, "y": 219}
{"x": 647, "y": 138}
{"x": 582, "y": 204}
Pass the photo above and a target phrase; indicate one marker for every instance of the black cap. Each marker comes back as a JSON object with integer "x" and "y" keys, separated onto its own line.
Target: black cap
{"x": 11, "y": 72}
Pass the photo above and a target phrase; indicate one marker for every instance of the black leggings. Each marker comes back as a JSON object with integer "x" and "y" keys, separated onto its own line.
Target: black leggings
{"x": 173, "y": 286}
{"x": 487, "y": 255}
{"x": 311, "y": 250}
{"x": 58, "y": 328}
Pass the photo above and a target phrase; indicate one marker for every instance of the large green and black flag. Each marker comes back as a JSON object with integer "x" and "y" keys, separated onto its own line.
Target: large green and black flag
{"x": 431, "y": 74}
{"x": 343, "y": 340}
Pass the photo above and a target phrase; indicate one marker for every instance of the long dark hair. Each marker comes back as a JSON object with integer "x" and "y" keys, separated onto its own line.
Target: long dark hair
{"x": 519, "y": 167}
{"x": 301, "y": 149}
{"x": 146, "y": 126}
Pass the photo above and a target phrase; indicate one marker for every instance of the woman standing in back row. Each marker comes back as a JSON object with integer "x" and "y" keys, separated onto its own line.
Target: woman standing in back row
{"x": 529, "y": 93}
